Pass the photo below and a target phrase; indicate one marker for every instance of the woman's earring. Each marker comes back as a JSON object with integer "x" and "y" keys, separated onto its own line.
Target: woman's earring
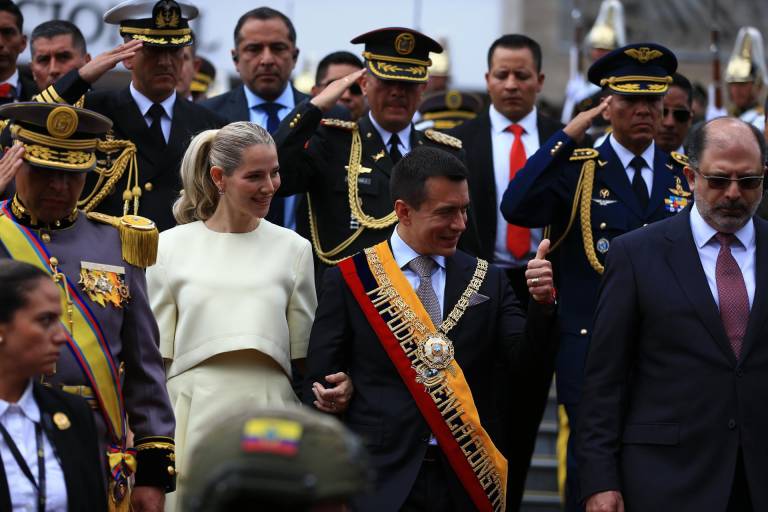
{"x": 221, "y": 191}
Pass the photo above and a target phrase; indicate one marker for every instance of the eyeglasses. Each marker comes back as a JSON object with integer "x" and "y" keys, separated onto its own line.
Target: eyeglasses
{"x": 722, "y": 183}
{"x": 354, "y": 89}
{"x": 680, "y": 115}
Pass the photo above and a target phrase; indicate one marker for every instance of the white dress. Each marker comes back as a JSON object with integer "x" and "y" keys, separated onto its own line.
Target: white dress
{"x": 233, "y": 310}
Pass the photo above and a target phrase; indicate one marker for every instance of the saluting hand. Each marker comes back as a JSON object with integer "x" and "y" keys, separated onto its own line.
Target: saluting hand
{"x": 579, "y": 125}
{"x": 333, "y": 91}
{"x": 10, "y": 165}
{"x": 539, "y": 277}
{"x": 93, "y": 70}
{"x": 336, "y": 399}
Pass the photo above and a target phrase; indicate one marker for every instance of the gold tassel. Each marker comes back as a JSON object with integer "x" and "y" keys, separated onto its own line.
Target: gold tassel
{"x": 139, "y": 237}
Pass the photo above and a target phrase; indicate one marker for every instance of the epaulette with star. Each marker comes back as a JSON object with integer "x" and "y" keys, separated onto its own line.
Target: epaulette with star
{"x": 679, "y": 158}
{"x": 339, "y": 123}
{"x": 139, "y": 237}
{"x": 443, "y": 138}
{"x": 584, "y": 154}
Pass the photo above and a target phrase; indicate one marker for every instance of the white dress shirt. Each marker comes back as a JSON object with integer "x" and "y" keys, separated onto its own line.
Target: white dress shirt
{"x": 626, "y": 156}
{"x": 708, "y": 246}
{"x": 403, "y": 254}
{"x": 19, "y": 420}
{"x": 404, "y": 135}
{"x": 145, "y": 104}
{"x": 15, "y": 82}
{"x": 259, "y": 116}
{"x": 501, "y": 145}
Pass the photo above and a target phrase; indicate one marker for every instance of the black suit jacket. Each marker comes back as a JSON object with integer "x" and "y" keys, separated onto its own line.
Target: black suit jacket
{"x": 233, "y": 106}
{"x": 28, "y": 87}
{"x": 159, "y": 177}
{"x": 666, "y": 405}
{"x": 475, "y": 134}
{"x": 382, "y": 409}
{"x": 76, "y": 448}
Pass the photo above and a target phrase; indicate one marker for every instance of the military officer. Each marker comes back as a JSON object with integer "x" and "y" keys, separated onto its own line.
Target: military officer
{"x": 112, "y": 358}
{"x": 148, "y": 111}
{"x": 589, "y": 196}
{"x": 345, "y": 166}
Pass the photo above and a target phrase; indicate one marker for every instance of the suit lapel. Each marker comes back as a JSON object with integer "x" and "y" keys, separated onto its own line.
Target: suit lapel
{"x": 457, "y": 276}
{"x": 180, "y": 110}
{"x": 237, "y": 106}
{"x": 615, "y": 178}
{"x": 373, "y": 146}
{"x": 131, "y": 123}
{"x": 485, "y": 182}
{"x": 757, "y": 315}
{"x": 684, "y": 261}
{"x": 663, "y": 179}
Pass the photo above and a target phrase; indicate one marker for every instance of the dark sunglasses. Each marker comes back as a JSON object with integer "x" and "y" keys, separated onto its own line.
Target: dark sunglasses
{"x": 722, "y": 183}
{"x": 353, "y": 89}
{"x": 680, "y": 115}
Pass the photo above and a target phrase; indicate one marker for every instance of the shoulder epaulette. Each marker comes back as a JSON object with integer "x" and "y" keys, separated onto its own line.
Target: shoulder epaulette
{"x": 679, "y": 158}
{"x": 443, "y": 138}
{"x": 339, "y": 123}
{"x": 138, "y": 237}
{"x": 584, "y": 154}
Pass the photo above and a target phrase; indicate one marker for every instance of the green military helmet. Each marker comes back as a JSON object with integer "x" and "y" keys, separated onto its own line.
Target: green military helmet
{"x": 284, "y": 459}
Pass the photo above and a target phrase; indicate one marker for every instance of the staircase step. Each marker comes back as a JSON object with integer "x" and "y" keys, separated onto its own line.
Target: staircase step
{"x": 542, "y": 475}
{"x": 546, "y": 440}
{"x": 537, "y": 501}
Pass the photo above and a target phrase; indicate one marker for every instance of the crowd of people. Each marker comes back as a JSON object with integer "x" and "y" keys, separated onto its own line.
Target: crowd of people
{"x": 358, "y": 298}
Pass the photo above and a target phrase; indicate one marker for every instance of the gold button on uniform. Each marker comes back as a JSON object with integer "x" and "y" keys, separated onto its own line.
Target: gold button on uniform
{"x": 583, "y": 332}
{"x": 603, "y": 225}
{"x": 148, "y": 186}
{"x": 46, "y": 237}
{"x": 171, "y": 470}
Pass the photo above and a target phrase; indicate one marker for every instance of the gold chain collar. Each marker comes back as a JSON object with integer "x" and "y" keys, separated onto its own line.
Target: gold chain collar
{"x": 26, "y": 217}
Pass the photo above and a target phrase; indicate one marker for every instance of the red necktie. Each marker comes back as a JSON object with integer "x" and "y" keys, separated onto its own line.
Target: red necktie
{"x": 6, "y": 90}
{"x": 518, "y": 238}
{"x": 732, "y": 293}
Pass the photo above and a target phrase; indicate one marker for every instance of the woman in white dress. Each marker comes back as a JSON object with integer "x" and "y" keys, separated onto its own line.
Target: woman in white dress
{"x": 233, "y": 294}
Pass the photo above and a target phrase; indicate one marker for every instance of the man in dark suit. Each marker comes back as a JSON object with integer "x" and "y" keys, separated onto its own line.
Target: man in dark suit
{"x": 673, "y": 415}
{"x": 265, "y": 54}
{"x": 148, "y": 112}
{"x": 69, "y": 426}
{"x": 494, "y": 154}
{"x": 589, "y": 196}
{"x": 13, "y": 85}
{"x": 414, "y": 321}
{"x": 321, "y": 156}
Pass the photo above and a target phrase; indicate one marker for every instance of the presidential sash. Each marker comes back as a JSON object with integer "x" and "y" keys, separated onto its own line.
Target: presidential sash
{"x": 85, "y": 338}
{"x": 423, "y": 356}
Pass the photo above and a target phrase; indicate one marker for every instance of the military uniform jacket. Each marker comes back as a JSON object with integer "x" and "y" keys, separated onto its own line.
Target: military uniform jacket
{"x": 132, "y": 335}
{"x": 543, "y": 193}
{"x": 313, "y": 159}
{"x": 159, "y": 178}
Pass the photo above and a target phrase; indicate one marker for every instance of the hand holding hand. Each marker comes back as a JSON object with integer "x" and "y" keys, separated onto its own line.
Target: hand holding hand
{"x": 336, "y": 399}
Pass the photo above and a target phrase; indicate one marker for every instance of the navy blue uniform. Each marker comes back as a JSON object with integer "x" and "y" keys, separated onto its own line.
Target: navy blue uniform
{"x": 543, "y": 193}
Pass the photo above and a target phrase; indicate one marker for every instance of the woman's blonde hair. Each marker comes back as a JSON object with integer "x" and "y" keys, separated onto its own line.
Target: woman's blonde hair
{"x": 221, "y": 148}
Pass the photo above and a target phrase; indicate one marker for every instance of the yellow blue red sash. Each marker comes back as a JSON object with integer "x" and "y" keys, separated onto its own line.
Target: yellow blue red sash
{"x": 86, "y": 340}
{"x": 388, "y": 301}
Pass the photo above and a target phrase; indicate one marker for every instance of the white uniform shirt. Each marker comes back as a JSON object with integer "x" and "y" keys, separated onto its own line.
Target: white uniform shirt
{"x": 19, "y": 420}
